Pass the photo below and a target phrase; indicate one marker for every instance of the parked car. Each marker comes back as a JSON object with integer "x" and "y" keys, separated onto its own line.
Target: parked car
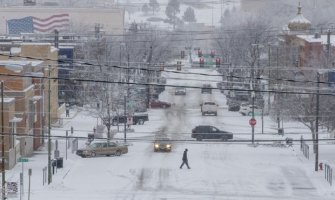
{"x": 210, "y": 132}
{"x": 209, "y": 108}
{"x": 246, "y": 109}
{"x": 102, "y": 148}
{"x": 180, "y": 91}
{"x": 159, "y": 104}
{"x": 162, "y": 144}
{"x": 233, "y": 106}
{"x": 206, "y": 88}
{"x": 137, "y": 119}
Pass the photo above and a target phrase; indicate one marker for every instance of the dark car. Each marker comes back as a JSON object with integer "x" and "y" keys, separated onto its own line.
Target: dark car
{"x": 210, "y": 132}
{"x": 162, "y": 144}
{"x": 206, "y": 89}
{"x": 159, "y": 104}
{"x": 137, "y": 119}
{"x": 233, "y": 105}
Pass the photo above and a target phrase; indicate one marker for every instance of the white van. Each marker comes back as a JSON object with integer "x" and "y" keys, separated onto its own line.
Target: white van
{"x": 209, "y": 108}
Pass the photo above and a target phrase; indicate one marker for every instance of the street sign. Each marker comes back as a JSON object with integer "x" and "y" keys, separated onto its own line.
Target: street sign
{"x": 22, "y": 160}
{"x": 252, "y": 122}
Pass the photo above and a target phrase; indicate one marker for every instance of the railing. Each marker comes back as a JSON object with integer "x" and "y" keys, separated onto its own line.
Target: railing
{"x": 328, "y": 174}
{"x": 304, "y": 148}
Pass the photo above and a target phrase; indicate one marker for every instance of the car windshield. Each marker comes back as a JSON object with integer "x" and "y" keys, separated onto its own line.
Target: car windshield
{"x": 96, "y": 145}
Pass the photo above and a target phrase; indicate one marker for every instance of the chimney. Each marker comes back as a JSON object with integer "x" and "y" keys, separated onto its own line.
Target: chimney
{"x": 56, "y": 38}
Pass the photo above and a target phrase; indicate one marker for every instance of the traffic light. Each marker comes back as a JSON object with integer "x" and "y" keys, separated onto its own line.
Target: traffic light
{"x": 179, "y": 65}
{"x": 202, "y": 62}
{"x": 217, "y": 62}
{"x": 212, "y": 53}
{"x": 182, "y": 54}
{"x": 199, "y": 53}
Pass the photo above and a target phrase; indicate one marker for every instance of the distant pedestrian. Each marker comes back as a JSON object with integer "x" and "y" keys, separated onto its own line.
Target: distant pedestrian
{"x": 67, "y": 112}
{"x": 185, "y": 160}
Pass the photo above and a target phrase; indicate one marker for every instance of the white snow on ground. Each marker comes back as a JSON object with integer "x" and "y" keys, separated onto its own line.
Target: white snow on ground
{"x": 230, "y": 171}
{"x": 206, "y": 12}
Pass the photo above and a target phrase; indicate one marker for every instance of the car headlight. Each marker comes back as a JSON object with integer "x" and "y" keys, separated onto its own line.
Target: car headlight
{"x": 156, "y": 145}
{"x": 168, "y": 146}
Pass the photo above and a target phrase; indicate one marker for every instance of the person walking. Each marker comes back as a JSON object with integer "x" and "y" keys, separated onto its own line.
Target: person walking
{"x": 185, "y": 160}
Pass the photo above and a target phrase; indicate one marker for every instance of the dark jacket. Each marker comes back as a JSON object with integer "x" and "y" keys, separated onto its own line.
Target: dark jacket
{"x": 185, "y": 156}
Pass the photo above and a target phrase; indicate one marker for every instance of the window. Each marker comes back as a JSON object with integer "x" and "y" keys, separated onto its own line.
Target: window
{"x": 214, "y": 129}
{"x": 112, "y": 144}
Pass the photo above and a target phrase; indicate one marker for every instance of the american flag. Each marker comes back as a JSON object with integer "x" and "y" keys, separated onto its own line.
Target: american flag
{"x": 38, "y": 25}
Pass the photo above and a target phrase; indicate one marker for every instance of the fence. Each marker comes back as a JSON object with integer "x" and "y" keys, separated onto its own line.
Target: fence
{"x": 329, "y": 174}
{"x": 304, "y": 148}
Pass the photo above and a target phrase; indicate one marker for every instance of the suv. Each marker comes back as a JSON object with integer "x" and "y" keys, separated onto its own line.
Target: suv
{"x": 180, "y": 91}
{"x": 102, "y": 148}
{"x": 162, "y": 144}
{"x": 206, "y": 88}
{"x": 210, "y": 132}
{"x": 208, "y": 108}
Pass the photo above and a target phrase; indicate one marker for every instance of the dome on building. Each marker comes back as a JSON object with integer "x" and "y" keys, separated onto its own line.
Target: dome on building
{"x": 299, "y": 23}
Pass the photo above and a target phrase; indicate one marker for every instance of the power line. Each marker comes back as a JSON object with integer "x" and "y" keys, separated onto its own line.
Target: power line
{"x": 173, "y": 140}
{"x": 170, "y": 71}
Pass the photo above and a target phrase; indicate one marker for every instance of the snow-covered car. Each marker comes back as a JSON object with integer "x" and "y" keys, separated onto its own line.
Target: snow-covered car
{"x": 180, "y": 91}
{"x": 209, "y": 108}
{"x": 102, "y": 149}
{"x": 210, "y": 132}
{"x": 246, "y": 109}
{"x": 162, "y": 144}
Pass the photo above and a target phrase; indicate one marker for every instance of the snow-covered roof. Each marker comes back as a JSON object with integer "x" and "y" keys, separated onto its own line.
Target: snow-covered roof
{"x": 299, "y": 23}
{"x": 7, "y": 100}
{"x": 15, "y": 119}
{"x": 36, "y": 43}
{"x": 20, "y": 62}
{"x": 53, "y": 49}
{"x": 300, "y": 19}
{"x": 322, "y": 39}
{"x": 15, "y": 50}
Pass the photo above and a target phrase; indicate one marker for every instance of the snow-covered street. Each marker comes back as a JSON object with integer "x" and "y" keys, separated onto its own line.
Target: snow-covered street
{"x": 219, "y": 170}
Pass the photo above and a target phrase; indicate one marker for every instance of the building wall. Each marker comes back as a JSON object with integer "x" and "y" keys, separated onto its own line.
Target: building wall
{"x": 112, "y": 19}
{"x": 10, "y": 151}
{"x": 49, "y": 55}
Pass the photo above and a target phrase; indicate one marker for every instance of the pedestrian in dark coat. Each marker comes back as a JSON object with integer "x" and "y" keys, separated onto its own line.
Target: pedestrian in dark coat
{"x": 185, "y": 160}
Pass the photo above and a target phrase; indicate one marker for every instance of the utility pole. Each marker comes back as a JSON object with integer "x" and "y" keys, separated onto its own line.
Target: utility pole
{"x": 317, "y": 124}
{"x": 126, "y": 119}
{"x": 49, "y": 126}
{"x": 3, "y": 145}
{"x": 269, "y": 78}
{"x": 328, "y": 46}
{"x": 126, "y": 97}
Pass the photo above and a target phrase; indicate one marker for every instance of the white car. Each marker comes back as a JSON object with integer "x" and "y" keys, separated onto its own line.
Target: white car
{"x": 209, "y": 108}
{"x": 180, "y": 91}
{"x": 247, "y": 110}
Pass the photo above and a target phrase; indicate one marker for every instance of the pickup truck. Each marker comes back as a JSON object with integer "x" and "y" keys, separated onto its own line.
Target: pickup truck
{"x": 208, "y": 108}
{"x": 137, "y": 119}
